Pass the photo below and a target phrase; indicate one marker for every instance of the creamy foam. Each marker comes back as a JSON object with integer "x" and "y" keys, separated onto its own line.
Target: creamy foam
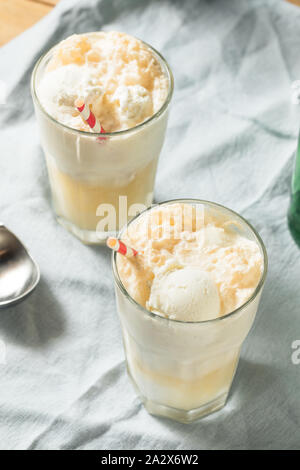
{"x": 115, "y": 73}
{"x": 197, "y": 273}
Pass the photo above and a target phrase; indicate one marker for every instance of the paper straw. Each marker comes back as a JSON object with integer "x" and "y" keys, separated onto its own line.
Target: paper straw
{"x": 88, "y": 116}
{"x": 120, "y": 247}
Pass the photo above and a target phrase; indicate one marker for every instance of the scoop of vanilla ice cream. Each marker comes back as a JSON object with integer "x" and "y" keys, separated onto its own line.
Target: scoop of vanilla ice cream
{"x": 60, "y": 88}
{"x": 212, "y": 236}
{"x": 185, "y": 294}
{"x": 135, "y": 102}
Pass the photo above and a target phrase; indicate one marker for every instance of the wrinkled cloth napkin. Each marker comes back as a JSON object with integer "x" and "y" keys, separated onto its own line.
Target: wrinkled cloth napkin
{"x": 231, "y": 139}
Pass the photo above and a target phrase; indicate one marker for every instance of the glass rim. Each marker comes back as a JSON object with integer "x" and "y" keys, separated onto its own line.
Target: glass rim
{"x": 234, "y": 312}
{"x": 154, "y": 117}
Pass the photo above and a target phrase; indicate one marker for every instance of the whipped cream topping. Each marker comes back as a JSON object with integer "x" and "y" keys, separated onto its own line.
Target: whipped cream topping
{"x": 192, "y": 271}
{"x": 118, "y": 76}
{"x": 184, "y": 293}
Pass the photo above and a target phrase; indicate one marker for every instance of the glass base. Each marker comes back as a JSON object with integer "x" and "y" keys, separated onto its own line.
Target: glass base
{"x": 182, "y": 416}
{"x": 88, "y": 237}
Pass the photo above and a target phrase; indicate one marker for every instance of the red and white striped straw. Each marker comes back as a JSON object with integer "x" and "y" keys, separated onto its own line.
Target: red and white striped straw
{"x": 89, "y": 116}
{"x": 120, "y": 247}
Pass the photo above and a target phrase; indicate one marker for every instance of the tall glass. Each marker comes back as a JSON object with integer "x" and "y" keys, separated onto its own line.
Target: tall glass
{"x": 184, "y": 370}
{"x": 294, "y": 209}
{"x": 99, "y": 183}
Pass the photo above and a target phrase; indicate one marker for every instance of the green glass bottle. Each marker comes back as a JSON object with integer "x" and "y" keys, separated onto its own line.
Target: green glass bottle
{"x": 294, "y": 209}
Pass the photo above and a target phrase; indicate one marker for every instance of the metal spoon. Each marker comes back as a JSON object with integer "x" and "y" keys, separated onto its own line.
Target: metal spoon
{"x": 19, "y": 274}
